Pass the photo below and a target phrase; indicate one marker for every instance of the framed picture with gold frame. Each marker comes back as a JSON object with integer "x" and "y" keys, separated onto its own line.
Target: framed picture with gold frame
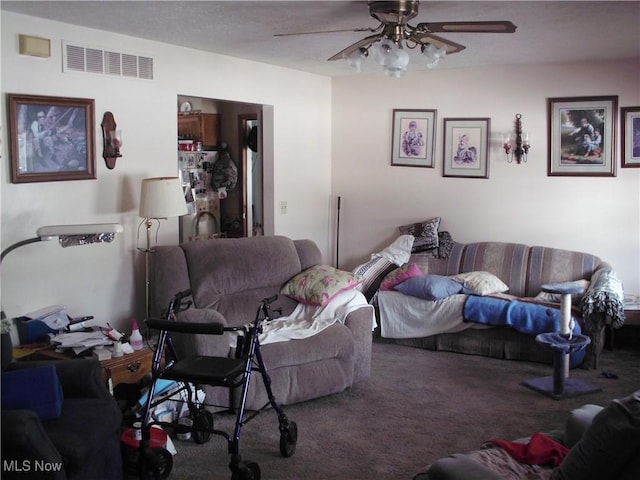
{"x": 52, "y": 138}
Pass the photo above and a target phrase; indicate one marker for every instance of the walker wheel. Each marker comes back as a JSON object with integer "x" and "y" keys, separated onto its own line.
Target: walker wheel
{"x": 202, "y": 426}
{"x": 246, "y": 471}
{"x": 155, "y": 464}
{"x": 288, "y": 439}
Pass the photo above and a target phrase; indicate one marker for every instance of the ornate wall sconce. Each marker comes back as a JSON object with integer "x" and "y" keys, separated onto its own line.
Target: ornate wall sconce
{"x": 519, "y": 153}
{"x": 112, "y": 140}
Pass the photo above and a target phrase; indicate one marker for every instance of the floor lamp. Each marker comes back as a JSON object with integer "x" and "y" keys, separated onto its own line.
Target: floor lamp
{"x": 160, "y": 198}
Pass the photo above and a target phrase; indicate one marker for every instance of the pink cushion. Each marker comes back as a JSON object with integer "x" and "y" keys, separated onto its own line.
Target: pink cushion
{"x": 400, "y": 275}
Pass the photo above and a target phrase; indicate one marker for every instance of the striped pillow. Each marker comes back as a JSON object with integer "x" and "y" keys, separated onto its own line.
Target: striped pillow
{"x": 373, "y": 272}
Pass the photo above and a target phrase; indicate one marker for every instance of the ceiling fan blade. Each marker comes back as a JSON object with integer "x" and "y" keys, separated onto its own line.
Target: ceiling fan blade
{"x": 436, "y": 41}
{"x": 468, "y": 27}
{"x": 363, "y": 29}
{"x": 352, "y": 48}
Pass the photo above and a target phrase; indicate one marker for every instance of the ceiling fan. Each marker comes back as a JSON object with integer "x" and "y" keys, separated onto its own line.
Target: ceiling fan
{"x": 394, "y": 33}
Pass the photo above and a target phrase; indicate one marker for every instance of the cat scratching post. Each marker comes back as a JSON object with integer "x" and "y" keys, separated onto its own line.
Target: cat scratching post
{"x": 562, "y": 344}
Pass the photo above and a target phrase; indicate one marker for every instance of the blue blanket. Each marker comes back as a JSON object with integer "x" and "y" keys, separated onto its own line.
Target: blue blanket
{"x": 525, "y": 317}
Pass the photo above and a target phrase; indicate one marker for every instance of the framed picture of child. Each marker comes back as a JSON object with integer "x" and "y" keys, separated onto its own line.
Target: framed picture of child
{"x": 466, "y": 147}
{"x": 413, "y": 138}
{"x": 582, "y": 132}
{"x": 630, "y": 128}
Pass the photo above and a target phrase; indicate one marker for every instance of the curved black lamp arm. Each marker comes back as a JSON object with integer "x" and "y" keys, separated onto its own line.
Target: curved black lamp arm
{"x": 18, "y": 245}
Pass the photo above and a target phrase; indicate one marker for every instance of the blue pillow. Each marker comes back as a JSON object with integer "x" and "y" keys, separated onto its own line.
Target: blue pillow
{"x": 35, "y": 388}
{"x": 429, "y": 287}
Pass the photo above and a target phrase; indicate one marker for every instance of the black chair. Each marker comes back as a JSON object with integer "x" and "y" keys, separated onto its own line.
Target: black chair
{"x": 82, "y": 443}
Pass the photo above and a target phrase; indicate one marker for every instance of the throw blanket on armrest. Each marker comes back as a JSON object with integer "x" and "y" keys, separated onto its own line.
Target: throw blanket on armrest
{"x": 604, "y": 295}
{"x": 307, "y": 320}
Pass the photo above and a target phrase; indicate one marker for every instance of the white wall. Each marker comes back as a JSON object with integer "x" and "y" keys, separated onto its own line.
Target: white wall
{"x": 518, "y": 203}
{"x": 107, "y": 280}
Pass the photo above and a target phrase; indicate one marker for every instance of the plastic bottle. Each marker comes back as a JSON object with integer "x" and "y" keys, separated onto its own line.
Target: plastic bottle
{"x": 136, "y": 338}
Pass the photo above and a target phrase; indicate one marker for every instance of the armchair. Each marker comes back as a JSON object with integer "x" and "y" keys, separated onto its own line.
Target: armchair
{"x": 83, "y": 442}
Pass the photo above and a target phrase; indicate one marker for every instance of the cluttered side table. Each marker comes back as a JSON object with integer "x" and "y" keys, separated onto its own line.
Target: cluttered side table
{"x": 129, "y": 368}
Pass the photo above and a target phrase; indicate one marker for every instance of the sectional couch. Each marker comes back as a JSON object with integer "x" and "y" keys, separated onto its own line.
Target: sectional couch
{"x": 523, "y": 269}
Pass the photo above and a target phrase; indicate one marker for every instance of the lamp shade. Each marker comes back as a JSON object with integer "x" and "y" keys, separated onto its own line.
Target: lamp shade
{"x": 162, "y": 197}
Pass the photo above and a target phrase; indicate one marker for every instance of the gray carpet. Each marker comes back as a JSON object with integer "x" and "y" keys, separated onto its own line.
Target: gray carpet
{"x": 417, "y": 406}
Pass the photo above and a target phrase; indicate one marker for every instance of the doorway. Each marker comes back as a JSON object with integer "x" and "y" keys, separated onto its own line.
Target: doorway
{"x": 252, "y": 164}
{"x": 238, "y": 211}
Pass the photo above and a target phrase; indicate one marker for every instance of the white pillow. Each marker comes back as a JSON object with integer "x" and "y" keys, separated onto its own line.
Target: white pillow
{"x": 480, "y": 283}
{"x": 399, "y": 251}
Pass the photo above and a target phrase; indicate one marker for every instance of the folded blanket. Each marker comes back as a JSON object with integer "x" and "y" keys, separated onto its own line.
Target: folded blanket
{"x": 540, "y": 450}
{"x": 526, "y": 317}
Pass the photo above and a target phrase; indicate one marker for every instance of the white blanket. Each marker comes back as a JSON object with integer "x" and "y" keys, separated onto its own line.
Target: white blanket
{"x": 403, "y": 316}
{"x": 307, "y": 320}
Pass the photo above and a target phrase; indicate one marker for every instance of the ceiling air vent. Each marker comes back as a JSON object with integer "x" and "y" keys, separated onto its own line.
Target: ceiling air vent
{"x": 91, "y": 59}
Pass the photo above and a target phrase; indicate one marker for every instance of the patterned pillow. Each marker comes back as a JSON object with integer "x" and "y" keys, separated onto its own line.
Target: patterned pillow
{"x": 444, "y": 248}
{"x": 400, "y": 275}
{"x": 373, "y": 272}
{"x": 480, "y": 283}
{"x": 425, "y": 233}
{"x": 317, "y": 285}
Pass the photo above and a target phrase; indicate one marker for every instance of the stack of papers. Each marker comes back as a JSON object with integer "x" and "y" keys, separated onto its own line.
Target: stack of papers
{"x": 80, "y": 341}
{"x": 53, "y": 317}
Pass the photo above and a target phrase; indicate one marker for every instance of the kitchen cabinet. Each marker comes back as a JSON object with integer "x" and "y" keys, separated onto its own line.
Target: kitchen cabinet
{"x": 200, "y": 127}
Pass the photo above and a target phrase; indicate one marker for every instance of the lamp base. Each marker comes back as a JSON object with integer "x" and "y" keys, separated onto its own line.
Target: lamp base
{"x": 571, "y": 387}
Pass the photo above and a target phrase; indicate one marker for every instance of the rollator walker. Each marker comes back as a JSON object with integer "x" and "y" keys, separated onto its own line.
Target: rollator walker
{"x": 232, "y": 372}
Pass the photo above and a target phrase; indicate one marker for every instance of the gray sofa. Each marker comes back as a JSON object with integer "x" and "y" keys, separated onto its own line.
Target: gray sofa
{"x": 228, "y": 278}
{"x": 524, "y": 269}
{"x": 603, "y": 443}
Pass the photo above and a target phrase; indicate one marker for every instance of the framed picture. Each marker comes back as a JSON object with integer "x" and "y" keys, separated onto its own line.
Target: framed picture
{"x": 630, "y": 128}
{"x": 52, "y": 138}
{"x": 466, "y": 147}
{"x": 413, "y": 138}
{"x": 582, "y": 132}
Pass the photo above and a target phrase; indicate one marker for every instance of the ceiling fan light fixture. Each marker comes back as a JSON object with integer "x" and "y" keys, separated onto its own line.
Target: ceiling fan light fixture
{"x": 433, "y": 54}
{"x": 356, "y": 58}
{"x": 384, "y": 51}
{"x": 395, "y": 32}
{"x": 398, "y": 64}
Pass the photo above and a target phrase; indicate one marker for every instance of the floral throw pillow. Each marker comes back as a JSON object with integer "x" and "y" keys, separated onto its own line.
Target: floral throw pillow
{"x": 318, "y": 285}
{"x": 399, "y": 275}
{"x": 425, "y": 233}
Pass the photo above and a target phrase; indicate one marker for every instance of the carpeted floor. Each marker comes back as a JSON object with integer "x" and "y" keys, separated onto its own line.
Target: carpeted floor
{"x": 417, "y": 406}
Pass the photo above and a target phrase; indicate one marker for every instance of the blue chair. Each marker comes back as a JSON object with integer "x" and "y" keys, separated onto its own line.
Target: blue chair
{"x": 78, "y": 439}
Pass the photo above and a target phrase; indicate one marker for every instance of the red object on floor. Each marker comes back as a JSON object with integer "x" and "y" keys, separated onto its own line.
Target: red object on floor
{"x": 540, "y": 450}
